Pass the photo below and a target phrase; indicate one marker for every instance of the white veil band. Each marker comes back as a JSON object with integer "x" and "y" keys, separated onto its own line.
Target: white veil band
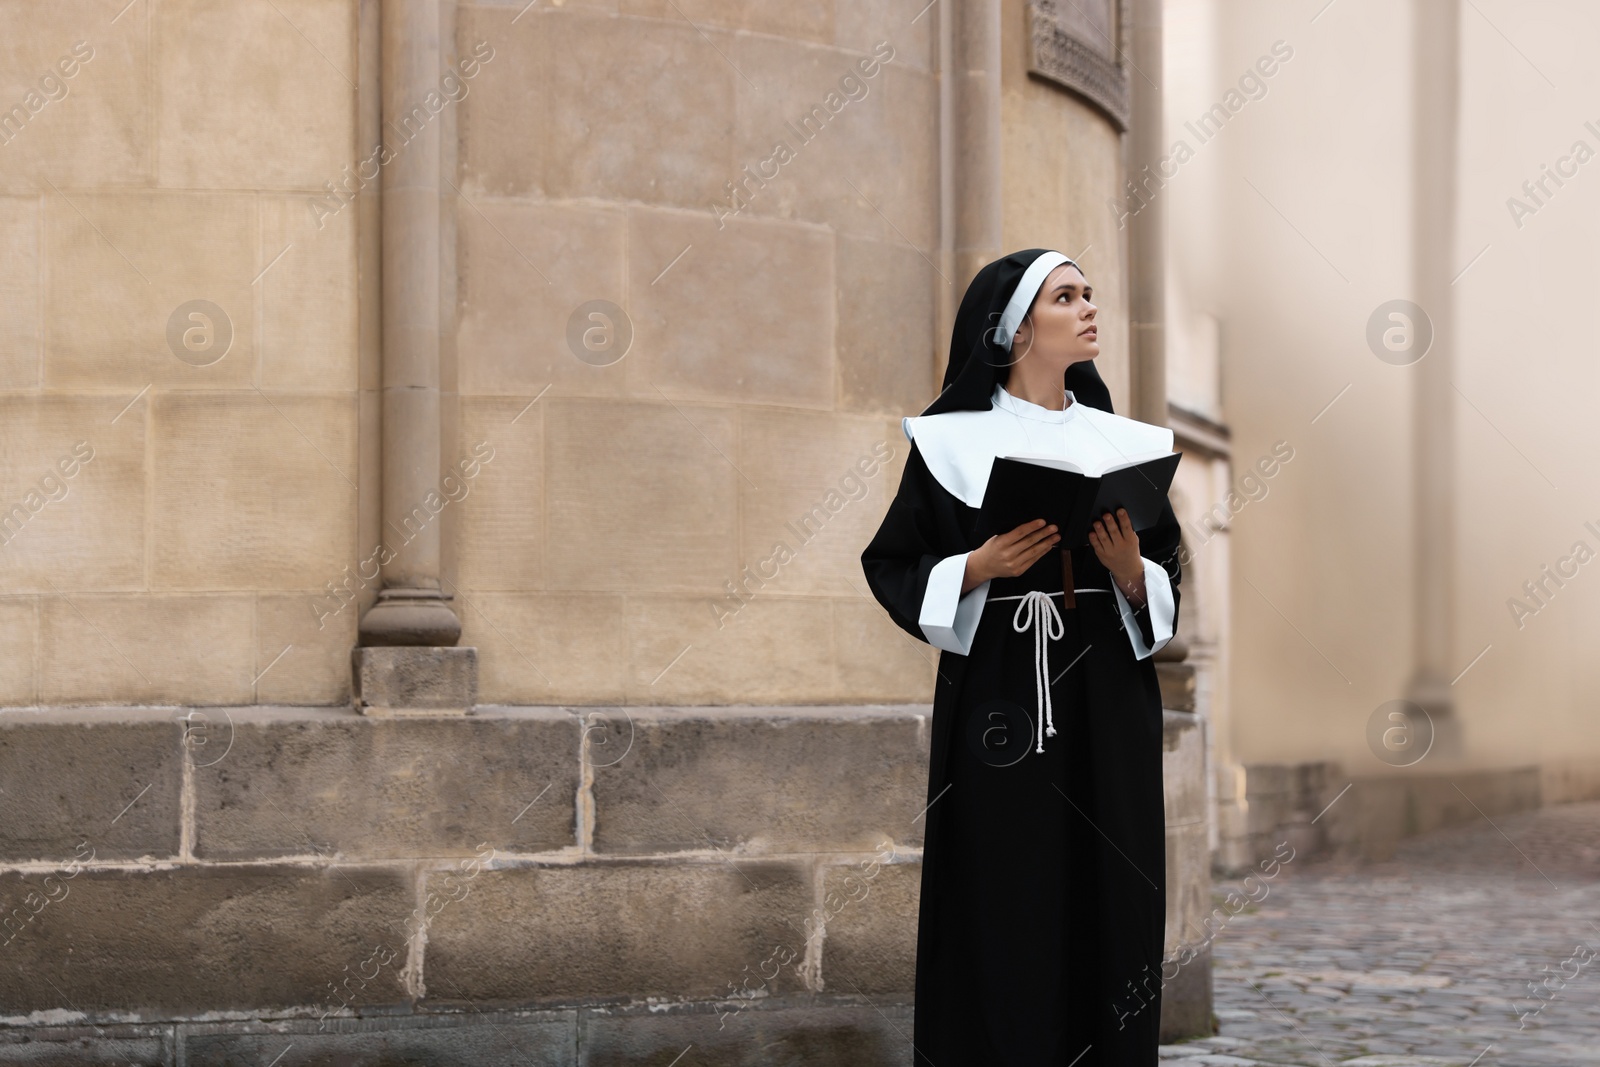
{"x": 1022, "y": 299}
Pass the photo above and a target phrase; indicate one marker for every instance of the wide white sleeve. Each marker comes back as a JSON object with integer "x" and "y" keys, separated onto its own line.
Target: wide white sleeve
{"x": 1158, "y": 600}
{"x": 949, "y": 619}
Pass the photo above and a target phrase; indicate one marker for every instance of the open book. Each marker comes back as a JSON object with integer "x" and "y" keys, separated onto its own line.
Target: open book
{"x": 1031, "y": 485}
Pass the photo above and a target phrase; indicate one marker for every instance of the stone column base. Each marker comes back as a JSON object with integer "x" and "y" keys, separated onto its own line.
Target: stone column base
{"x": 1186, "y": 998}
{"x": 415, "y": 680}
{"x": 404, "y": 616}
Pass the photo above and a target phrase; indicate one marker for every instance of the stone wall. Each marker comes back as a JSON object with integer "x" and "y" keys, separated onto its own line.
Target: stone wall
{"x": 621, "y": 879}
{"x": 680, "y": 521}
{"x": 215, "y": 488}
{"x": 205, "y": 852}
{"x": 1321, "y": 809}
{"x": 209, "y": 151}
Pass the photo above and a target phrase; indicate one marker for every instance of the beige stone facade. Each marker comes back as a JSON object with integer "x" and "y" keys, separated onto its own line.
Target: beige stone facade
{"x": 603, "y": 361}
{"x": 774, "y": 344}
{"x": 176, "y": 166}
{"x": 1325, "y": 163}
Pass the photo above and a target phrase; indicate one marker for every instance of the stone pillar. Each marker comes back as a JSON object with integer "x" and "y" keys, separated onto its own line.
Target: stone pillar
{"x": 976, "y": 142}
{"x": 405, "y": 659}
{"x": 1147, "y": 304}
{"x": 1433, "y": 196}
{"x": 1186, "y": 996}
{"x": 945, "y": 294}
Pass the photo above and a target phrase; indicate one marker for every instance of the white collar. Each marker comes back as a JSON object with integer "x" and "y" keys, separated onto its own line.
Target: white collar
{"x": 959, "y": 446}
{"x": 1029, "y": 410}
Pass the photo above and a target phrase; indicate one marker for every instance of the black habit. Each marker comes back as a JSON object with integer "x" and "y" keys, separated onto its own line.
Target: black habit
{"x": 1043, "y": 901}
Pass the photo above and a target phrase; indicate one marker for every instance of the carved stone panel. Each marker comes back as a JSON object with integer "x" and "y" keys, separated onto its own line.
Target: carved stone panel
{"x": 1082, "y": 46}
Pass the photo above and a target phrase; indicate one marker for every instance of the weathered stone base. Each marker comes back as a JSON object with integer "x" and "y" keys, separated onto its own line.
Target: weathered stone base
{"x": 408, "y": 679}
{"x": 821, "y": 1031}
{"x": 188, "y": 886}
{"x": 1308, "y": 807}
{"x": 1186, "y": 999}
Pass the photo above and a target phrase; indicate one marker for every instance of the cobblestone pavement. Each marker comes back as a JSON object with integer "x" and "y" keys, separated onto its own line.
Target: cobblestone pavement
{"x": 1472, "y": 946}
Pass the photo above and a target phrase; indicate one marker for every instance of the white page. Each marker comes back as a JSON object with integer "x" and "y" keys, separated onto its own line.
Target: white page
{"x": 1047, "y": 459}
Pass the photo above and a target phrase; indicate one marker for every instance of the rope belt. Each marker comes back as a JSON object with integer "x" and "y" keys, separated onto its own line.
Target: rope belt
{"x": 1040, "y": 612}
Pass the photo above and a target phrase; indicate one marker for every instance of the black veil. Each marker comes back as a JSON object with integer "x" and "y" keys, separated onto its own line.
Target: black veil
{"x": 977, "y": 359}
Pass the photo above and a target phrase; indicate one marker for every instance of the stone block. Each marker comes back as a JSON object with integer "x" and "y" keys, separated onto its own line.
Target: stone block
{"x": 884, "y": 364}
{"x": 416, "y": 678}
{"x": 547, "y": 648}
{"x": 501, "y": 130}
{"x": 1177, "y": 683}
{"x": 863, "y": 161}
{"x": 747, "y": 315}
{"x": 122, "y": 265}
{"x": 103, "y": 780}
{"x": 1188, "y": 861}
{"x": 72, "y": 493}
{"x": 1314, "y": 784}
{"x": 639, "y": 496}
{"x": 303, "y": 657}
{"x": 1060, "y": 159}
{"x": 877, "y": 660}
{"x": 617, "y": 930}
{"x": 871, "y": 922}
{"x": 1269, "y": 797}
{"x": 146, "y": 649}
{"x": 818, "y": 487}
{"x": 478, "y": 1038}
{"x": 817, "y": 450}
{"x": 116, "y": 1045}
{"x": 308, "y": 297}
{"x": 19, "y": 635}
{"x": 633, "y": 86}
{"x": 19, "y": 292}
{"x": 1569, "y": 781}
{"x": 810, "y": 20}
{"x": 1306, "y": 838}
{"x": 526, "y": 269}
{"x": 253, "y": 96}
{"x": 1267, "y": 779}
{"x": 98, "y": 131}
{"x": 332, "y": 783}
{"x": 762, "y": 780}
{"x": 199, "y": 939}
{"x": 499, "y": 521}
{"x": 1184, "y": 767}
{"x": 800, "y": 541}
{"x": 1186, "y": 1000}
{"x": 252, "y": 491}
{"x": 783, "y": 1032}
{"x": 1495, "y": 791}
{"x": 1451, "y": 799}
{"x": 1265, "y": 815}
{"x": 1368, "y": 821}
{"x": 859, "y": 27}
{"x": 774, "y": 650}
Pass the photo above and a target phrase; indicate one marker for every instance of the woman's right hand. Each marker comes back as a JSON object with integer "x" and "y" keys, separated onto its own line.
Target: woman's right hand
{"x": 1009, "y": 554}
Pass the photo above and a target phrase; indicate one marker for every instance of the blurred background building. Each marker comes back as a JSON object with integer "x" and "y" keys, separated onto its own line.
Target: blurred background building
{"x": 439, "y": 438}
{"x": 1369, "y": 256}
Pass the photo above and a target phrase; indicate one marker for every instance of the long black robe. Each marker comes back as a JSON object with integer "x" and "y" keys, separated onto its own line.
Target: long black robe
{"x": 1043, "y": 904}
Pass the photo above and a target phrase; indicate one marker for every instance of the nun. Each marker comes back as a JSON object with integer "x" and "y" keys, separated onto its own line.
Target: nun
{"x": 1043, "y": 903}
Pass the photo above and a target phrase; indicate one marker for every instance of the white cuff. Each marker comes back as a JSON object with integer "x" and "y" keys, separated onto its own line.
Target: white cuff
{"x": 949, "y": 619}
{"x": 1158, "y": 601}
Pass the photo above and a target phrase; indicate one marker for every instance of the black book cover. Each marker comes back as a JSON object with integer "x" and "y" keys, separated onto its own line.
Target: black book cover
{"x": 1021, "y": 490}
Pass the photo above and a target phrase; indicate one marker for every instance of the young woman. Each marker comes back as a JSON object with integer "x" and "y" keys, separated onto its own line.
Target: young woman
{"x": 1043, "y": 907}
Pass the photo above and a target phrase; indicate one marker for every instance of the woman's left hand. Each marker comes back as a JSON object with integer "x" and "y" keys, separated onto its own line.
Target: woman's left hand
{"x": 1117, "y": 546}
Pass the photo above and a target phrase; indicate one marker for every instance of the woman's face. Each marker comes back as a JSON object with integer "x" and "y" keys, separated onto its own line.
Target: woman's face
{"x": 1060, "y": 327}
